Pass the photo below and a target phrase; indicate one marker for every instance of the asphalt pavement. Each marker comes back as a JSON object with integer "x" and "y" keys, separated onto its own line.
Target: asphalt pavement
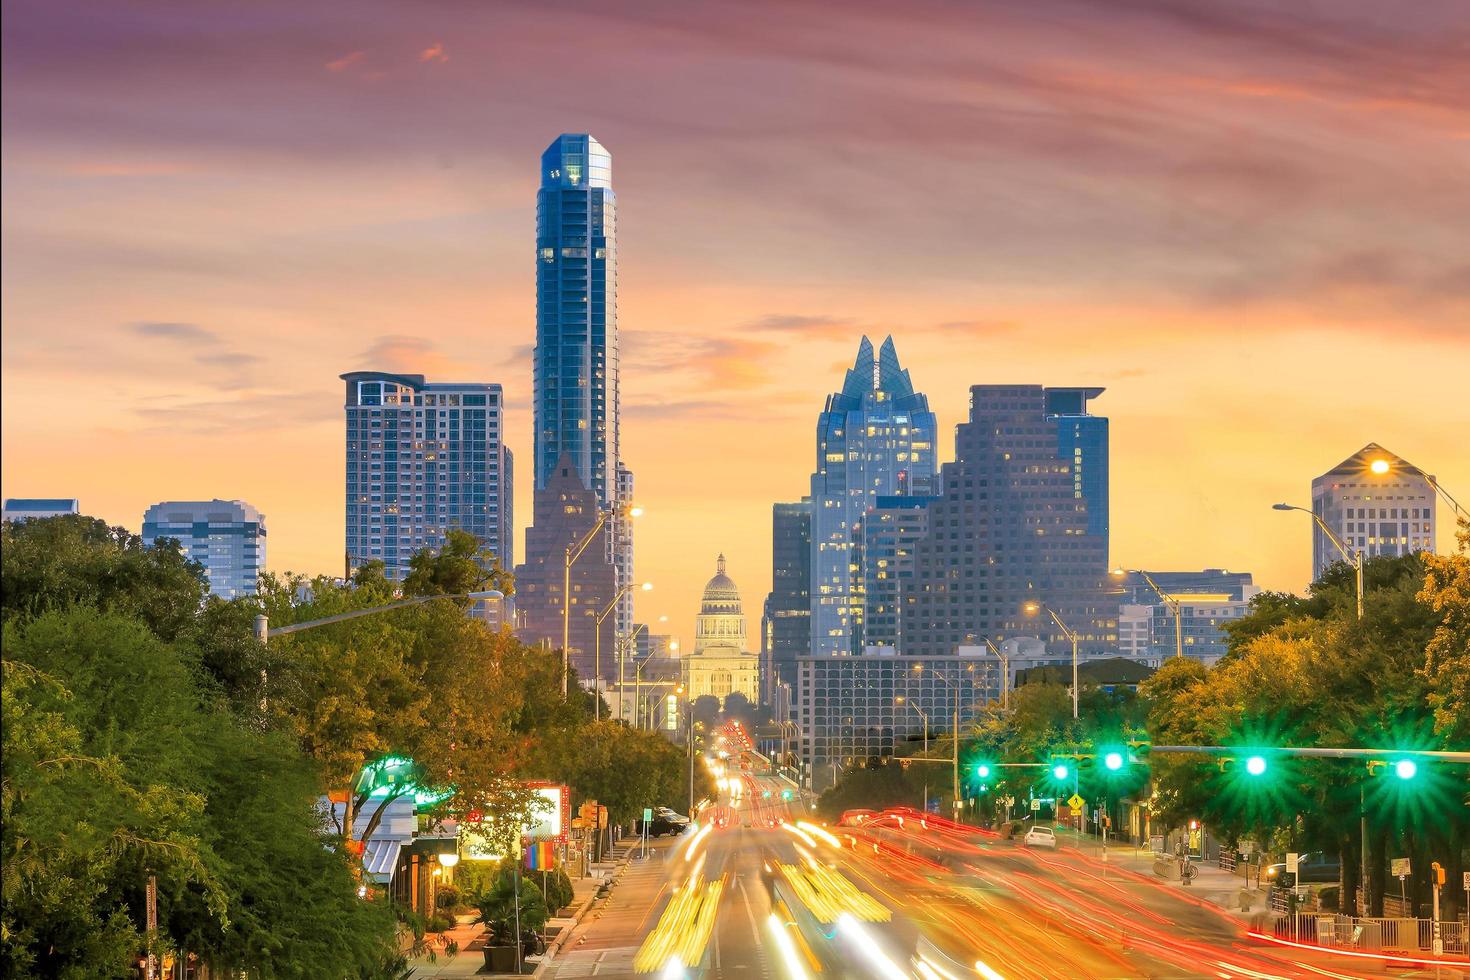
{"x": 759, "y": 890}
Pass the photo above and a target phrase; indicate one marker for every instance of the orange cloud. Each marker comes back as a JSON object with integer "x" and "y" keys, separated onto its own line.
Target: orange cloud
{"x": 434, "y": 53}
{"x": 346, "y": 61}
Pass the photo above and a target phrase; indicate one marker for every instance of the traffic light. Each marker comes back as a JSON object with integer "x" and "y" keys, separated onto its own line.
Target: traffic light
{"x": 1256, "y": 765}
{"x": 1060, "y": 771}
{"x": 1406, "y": 769}
{"x": 983, "y": 770}
{"x": 1114, "y": 760}
{"x": 786, "y": 794}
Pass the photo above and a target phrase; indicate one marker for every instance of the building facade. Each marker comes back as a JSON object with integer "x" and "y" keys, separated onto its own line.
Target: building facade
{"x": 875, "y": 438}
{"x": 1013, "y": 527}
{"x": 564, "y": 513}
{"x": 883, "y": 568}
{"x": 1200, "y": 626}
{"x": 719, "y": 665}
{"x": 227, "y": 537}
{"x": 424, "y": 457}
{"x": 856, "y": 708}
{"x": 1376, "y": 503}
{"x": 576, "y": 403}
{"x": 35, "y": 508}
{"x": 786, "y": 618}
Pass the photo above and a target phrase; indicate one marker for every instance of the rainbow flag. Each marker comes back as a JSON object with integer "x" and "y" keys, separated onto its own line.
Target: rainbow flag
{"x": 540, "y": 856}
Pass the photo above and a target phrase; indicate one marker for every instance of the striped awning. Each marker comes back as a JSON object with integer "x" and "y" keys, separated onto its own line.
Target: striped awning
{"x": 380, "y": 859}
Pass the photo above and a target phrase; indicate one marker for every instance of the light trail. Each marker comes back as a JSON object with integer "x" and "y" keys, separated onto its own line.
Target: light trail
{"x": 789, "y": 957}
{"x": 868, "y": 946}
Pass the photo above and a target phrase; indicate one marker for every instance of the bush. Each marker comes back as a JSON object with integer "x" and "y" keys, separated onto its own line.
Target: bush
{"x": 559, "y": 892}
{"x": 497, "y": 907}
{"x": 439, "y": 922}
{"x": 448, "y": 898}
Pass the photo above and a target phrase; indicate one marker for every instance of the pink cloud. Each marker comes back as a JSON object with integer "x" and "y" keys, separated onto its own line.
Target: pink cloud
{"x": 435, "y": 52}
{"x": 347, "y": 61}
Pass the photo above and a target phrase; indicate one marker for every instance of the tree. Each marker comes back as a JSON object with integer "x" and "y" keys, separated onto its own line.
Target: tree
{"x": 1446, "y": 591}
{"x": 738, "y": 708}
{"x": 459, "y": 566}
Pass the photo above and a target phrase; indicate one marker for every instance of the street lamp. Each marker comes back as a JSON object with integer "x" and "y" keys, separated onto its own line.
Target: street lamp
{"x": 1354, "y": 559}
{"x": 955, "y": 690}
{"x": 1382, "y": 467}
{"x": 597, "y": 650}
{"x": 1032, "y": 608}
{"x": 1172, "y": 601}
{"x": 573, "y": 552}
{"x": 922, "y": 714}
{"x": 1005, "y": 673}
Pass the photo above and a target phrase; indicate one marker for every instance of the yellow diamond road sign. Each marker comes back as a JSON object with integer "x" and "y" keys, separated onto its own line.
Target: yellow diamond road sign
{"x": 1076, "y": 802}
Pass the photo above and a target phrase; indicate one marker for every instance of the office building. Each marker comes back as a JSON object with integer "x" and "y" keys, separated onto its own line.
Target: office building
{"x": 853, "y": 709}
{"x": 787, "y": 614}
{"x": 227, "y": 537}
{"x": 1135, "y": 631}
{"x": 1013, "y": 526}
{"x": 422, "y": 458}
{"x": 564, "y": 514}
{"x": 1237, "y": 585}
{"x": 1376, "y": 503}
{"x": 883, "y": 568}
{"x": 720, "y": 665}
{"x": 1200, "y": 626}
{"x": 35, "y": 508}
{"x": 576, "y": 401}
{"x": 875, "y": 438}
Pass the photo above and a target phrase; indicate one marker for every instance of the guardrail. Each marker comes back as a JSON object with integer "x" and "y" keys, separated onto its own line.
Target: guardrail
{"x": 1377, "y": 934}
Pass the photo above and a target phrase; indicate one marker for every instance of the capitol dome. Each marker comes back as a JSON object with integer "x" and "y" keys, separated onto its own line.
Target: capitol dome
{"x": 721, "y": 597}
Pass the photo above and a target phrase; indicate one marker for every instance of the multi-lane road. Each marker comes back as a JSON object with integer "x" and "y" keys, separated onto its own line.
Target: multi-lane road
{"x": 760, "y": 890}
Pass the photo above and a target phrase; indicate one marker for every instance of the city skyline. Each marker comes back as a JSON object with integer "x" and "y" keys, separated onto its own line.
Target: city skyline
{"x": 342, "y": 250}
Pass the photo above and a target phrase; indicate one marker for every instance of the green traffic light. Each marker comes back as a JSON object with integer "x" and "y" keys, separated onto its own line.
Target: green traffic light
{"x": 983, "y": 771}
{"x": 1406, "y": 769}
{"x": 1113, "y": 761}
{"x": 1059, "y": 771}
{"x": 1256, "y": 765}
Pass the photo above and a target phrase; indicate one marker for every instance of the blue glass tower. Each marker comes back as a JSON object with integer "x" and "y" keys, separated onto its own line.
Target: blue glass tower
{"x": 576, "y": 372}
{"x": 875, "y": 438}
{"x": 1082, "y": 442}
{"x": 576, "y": 363}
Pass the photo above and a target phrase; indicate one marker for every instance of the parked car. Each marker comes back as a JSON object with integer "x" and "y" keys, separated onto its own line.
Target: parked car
{"x": 670, "y": 815}
{"x": 1040, "y": 837}
{"x": 1314, "y": 867}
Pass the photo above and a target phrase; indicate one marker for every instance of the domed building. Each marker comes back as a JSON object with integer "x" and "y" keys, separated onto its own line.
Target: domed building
{"x": 719, "y": 664}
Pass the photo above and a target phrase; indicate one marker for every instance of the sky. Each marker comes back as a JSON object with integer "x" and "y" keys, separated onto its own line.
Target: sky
{"x": 1250, "y": 222}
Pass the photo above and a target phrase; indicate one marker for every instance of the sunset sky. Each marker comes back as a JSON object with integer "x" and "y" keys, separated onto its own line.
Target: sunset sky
{"x": 1250, "y": 222}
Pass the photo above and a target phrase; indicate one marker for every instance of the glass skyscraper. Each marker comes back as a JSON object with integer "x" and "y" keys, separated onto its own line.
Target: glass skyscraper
{"x": 421, "y": 458}
{"x": 576, "y": 404}
{"x": 875, "y": 438}
{"x": 227, "y": 537}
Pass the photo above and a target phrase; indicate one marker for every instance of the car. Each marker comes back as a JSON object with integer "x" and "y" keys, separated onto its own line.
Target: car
{"x": 660, "y": 827}
{"x": 669, "y": 815}
{"x": 1312, "y": 868}
{"x": 1040, "y": 837}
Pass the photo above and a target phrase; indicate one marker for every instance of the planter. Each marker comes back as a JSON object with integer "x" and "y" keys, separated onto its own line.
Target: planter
{"x": 500, "y": 959}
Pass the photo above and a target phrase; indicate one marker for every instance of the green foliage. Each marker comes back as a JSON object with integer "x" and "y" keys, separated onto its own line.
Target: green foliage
{"x": 1446, "y": 591}
{"x": 875, "y": 787}
{"x": 498, "y": 905}
{"x": 459, "y": 566}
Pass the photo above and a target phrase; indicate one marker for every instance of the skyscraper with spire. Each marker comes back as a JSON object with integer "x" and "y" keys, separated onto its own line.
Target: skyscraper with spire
{"x": 576, "y": 360}
{"x": 874, "y": 438}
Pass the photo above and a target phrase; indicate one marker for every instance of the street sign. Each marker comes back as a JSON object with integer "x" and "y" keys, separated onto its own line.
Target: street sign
{"x": 1292, "y": 860}
{"x": 1035, "y": 805}
{"x": 647, "y": 814}
{"x": 1399, "y": 867}
{"x": 1076, "y": 802}
{"x": 1076, "y": 811}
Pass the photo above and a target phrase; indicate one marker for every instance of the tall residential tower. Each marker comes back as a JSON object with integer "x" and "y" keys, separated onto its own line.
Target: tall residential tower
{"x": 421, "y": 458}
{"x": 875, "y": 438}
{"x": 576, "y": 402}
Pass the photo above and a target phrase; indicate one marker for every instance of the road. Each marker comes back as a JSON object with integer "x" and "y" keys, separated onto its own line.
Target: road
{"x": 759, "y": 891}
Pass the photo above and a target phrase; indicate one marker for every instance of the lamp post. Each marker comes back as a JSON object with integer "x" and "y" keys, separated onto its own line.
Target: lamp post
{"x": 1172, "y": 601}
{"x": 1032, "y": 608}
{"x": 573, "y": 552}
{"x": 900, "y": 700}
{"x": 955, "y": 690}
{"x": 1005, "y": 674}
{"x": 597, "y": 651}
{"x": 1382, "y": 467}
{"x": 1353, "y": 558}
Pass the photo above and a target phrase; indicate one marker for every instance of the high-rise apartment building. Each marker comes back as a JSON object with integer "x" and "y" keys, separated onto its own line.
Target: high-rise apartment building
{"x": 576, "y": 399}
{"x": 874, "y": 438}
{"x": 423, "y": 458}
{"x": 35, "y": 508}
{"x": 1376, "y": 503}
{"x": 227, "y": 537}
{"x": 564, "y": 514}
{"x": 1014, "y": 525}
{"x": 786, "y": 631}
{"x": 883, "y": 569}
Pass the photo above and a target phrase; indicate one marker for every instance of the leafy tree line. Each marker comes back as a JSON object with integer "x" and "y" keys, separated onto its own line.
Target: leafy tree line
{"x": 147, "y": 733}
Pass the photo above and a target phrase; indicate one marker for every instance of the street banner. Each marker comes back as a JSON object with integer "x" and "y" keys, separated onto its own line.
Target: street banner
{"x": 540, "y": 856}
